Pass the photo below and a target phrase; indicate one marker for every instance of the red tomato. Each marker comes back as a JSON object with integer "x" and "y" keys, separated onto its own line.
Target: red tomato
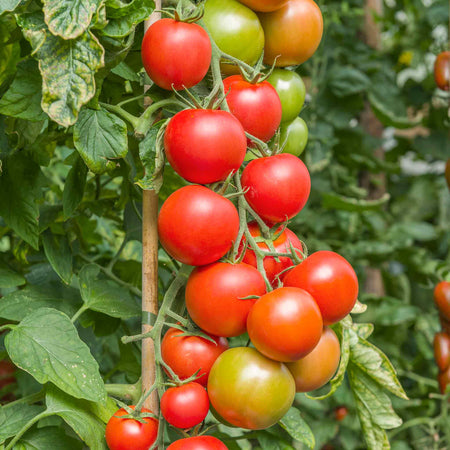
{"x": 214, "y": 296}
{"x": 442, "y": 71}
{"x": 444, "y": 380}
{"x": 340, "y": 413}
{"x": 257, "y": 106}
{"x": 176, "y": 54}
{"x": 285, "y": 324}
{"x": 441, "y": 347}
{"x": 330, "y": 279}
{"x": 292, "y": 32}
{"x": 204, "y": 146}
{"x": 198, "y": 443}
{"x": 278, "y": 186}
{"x": 442, "y": 298}
{"x": 130, "y": 434}
{"x": 187, "y": 354}
{"x": 281, "y": 244}
{"x": 185, "y": 406}
{"x": 318, "y": 367}
{"x": 264, "y": 5}
{"x": 197, "y": 226}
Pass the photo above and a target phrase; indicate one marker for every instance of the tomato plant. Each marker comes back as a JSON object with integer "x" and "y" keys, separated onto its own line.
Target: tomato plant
{"x": 442, "y": 71}
{"x": 442, "y": 298}
{"x": 294, "y": 136}
{"x": 198, "y": 443}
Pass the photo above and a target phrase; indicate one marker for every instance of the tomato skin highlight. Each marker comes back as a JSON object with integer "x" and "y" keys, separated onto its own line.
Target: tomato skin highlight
{"x": 185, "y": 406}
{"x": 198, "y": 443}
{"x": 176, "y": 54}
{"x": 278, "y": 186}
{"x": 264, "y": 5}
{"x": 330, "y": 279}
{"x": 197, "y": 226}
{"x": 442, "y": 70}
{"x": 294, "y": 136}
{"x": 442, "y": 298}
{"x": 318, "y": 367}
{"x": 187, "y": 354}
{"x": 214, "y": 293}
{"x": 249, "y": 390}
{"x": 130, "y": 434}
{"x": 441, "y": 345}
{"x": 282, "y": 36}
{"x": 204, "y": 146}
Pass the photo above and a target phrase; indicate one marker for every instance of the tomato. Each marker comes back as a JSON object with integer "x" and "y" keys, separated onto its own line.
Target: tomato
{"x": 282, "y": 244}
{"x": 187, "y": 354}
{"x": 340, "y": 413}
{"x": 442, "y": 298}
{"x": 235, "y": 29}
{"x": 197, "y": 226}
{"x": 249, "y": 390}
{"x": 214, "y": 296}
{"x": 205, "y": 146}
{"x": 264, "y": 5}
{"x": 330, "y": 279}
{"x": 185, "y": 406}
{"x": 294, "y": 136}
{"x": 291, "y": 90}
{"x": 198, "y": 443}
{"x": 442, "y": 71}
{"x": 130, "y": 434}
{"x": 292, "y": 32}
{"x": 441, "y": 346}
{"x": 285, "y": 324}
{"x": 176, "y": 54}
{"x": 444, "y": 380}
{"x": 318, "y": 367}
{"x": 278, "y": 186}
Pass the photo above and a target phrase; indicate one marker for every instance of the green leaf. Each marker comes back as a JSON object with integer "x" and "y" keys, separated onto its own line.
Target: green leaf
{"x": 126, "y": 72}
{"x": 78, "y": 416}
{"x": 9, "y": 5}
{"x": 345, "y": 81}
{"x": 100, "y": 136}
{"x": 46, "y": 345}
{"x": 106, "y": 296}
{"x": 58, "y": 253}
{"x": 388, "y": 311}
{"x": 269, "y": 441}
{"x": 74, "y": 187}
{"x": 21, "y": 182}
{"x": 69, "y": 18}
{"x": 46, "y": 438}
{"x": 294, "y": 424}
{"x": 419, "y": 231}
{"x": 9, "y": 278}
{"x": 336, "y": 201}
{"x": 13, "y": 418}
{"x": 23, "y": 98}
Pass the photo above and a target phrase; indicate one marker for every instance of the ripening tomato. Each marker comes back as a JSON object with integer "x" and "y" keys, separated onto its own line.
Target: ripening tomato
{"x": 130, "y": 434}
{"x": 294, "y": 136}
{"x": 330, "y": 279}
{"x": 176, "y": 54}
{"x": 442, "y": 71}
{"x": 249, "y": 390}
{"x": 442, "y": 298}
{"x": 441, "y": 347}
{"x": 282, "y": 244}
{"x": 292, "y": 32}
{"x": 444, "y": 380}
{"x": 318, "y": 367}
{"x": 291, "y": 90}
{"x": 185, "y": 406}
{"x": 215, "y": 293}
{"x": 340, "y": 413}
{"x": 285, "y": 324}
{"x": 264, "y": 5}
{"x": 198, "y": 443}
{"x": 197, "y": 226}
{"x": 187, "y": 354}
{"x": 278, "y": 186}
{"x": 204, "y": 146}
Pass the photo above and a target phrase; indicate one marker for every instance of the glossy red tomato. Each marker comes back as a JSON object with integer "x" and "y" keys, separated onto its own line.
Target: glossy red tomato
{"x": 214, "y": 296}
{"x": 197, "y": 226}
{"x": 176, "y": 54}
{"x": 264, "y": 5}
{"x": 292, "y": 32}
{"x": 442, "y": 298}
{"x": 442, "y": 71}
{"x": 330, "y": 279}
{"x": 185, "y": 406}
{"x": 187, "y": 354}
{"x": 204, "y": 146}
{"x": 282, "y": 244}
{"x": 256, "y": 105}
{"x": 130, "y": 434}
{"x": 318, "y": 367}
{"x": 198, "y": 443}
{"x": 278, "y": 186}
{"x": 249, "y": 390}
{"x": 441, "y": 347}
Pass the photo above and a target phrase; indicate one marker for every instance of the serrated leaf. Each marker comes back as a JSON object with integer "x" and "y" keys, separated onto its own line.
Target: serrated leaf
{"x": 46, "y": 438}
{"x": 294, "y": 424}
{"x": 336, "y": 201}
{"x": 46, "y": 345}
{"x": 359, "y": 308}
{"x": 9, "y": 278}
{"x": 100, "y": 136}
{"x": 69, "y": 18}
{"x": 74, "y": 187}
{"x": 345, "y": 81}
{"x": 9, "y": 5}
{"x": 13, "y": 418}
{"x": 33, "y": 28}
{"x": 364, "y": 330}
{"x": 59, "y": 255}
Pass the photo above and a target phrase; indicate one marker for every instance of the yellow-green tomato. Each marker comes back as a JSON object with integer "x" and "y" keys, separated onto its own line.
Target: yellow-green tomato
{"x": 294, "y": 136}
{"x": 291, "y": 90}
{"x": 249, "y": 390}
{"x": 235, "y": 29}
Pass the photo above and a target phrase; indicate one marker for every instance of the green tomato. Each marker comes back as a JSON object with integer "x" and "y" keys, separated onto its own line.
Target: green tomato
{"x": 291, "y": 90}
{"x": 249, "y": 390}
{"x": 235, "y": 29}
{"x": 294, "y": 136}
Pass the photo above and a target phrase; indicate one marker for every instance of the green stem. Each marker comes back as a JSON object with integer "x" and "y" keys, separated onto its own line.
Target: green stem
{"x": 78, "y": 313}
{"x": 32, "y": 398}
{"x": 130, "y": 392}
{"x": 118, "y": 253}
{"x": 8, "y": 326}
{"x": 132, "y": 120}
{"x": 412, "y": 423}
{"x": 418, "y": 378}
